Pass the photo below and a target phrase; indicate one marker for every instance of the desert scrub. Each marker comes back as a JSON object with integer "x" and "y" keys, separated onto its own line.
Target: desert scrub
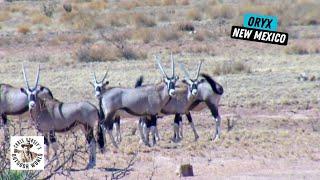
{"x": 168, "y": 34}
{"x": 194, "y": 14}
{"x": 139, "y": 20}
{"x": 23, "y": 28}
{"x": 4, "y": 16}
{"x": 231, "y": 67}
{"x": 220, "y": 11}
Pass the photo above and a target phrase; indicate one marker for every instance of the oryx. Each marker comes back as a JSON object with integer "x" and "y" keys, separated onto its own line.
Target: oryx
{"x": 99, "y": 89}
{"x": 198, "y": 94}
{"x": 207, "y": 93}
{"x": 146, "y": 100}
{"x": 50, "y": 116}
{"x": 180, "y": 104}
{"x": 13, "y": 102}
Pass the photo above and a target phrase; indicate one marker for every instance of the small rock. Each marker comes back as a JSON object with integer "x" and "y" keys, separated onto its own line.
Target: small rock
{"x": 185, "y": 170}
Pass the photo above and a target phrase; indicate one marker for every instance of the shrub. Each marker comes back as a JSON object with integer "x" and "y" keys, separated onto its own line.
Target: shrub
{"x": 48, "y": 9}
{"x": 97, "y": 53}
{"x": 23, "y": 28}
{"x": 67, "y": 7}
{"x": 168, "y": 34}
{"x": 168, "y": 2}
{"x": 222, "y": 11}
{"x": 142, "y": 20}
{"x": 231, "y": 67}
{"x": 38, "y": 18}
{"x": 186, "y": 26}
{"x": 4, "y": 16}
{"x": 194, "y": 14}
{"x": 163, "y": 17}
{"x": 128, "y": 5}
{"x": 143, "y": 34}
{"x": 183, "y": 2}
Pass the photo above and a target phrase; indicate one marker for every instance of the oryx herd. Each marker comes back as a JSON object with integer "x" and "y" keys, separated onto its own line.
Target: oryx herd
{"x": 145, "y": 102}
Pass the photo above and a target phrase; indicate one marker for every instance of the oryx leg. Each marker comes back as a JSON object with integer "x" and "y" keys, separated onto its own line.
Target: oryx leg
{"x": 117, "y": 128}
{"x": 215, "y": 113}
{"x": 92, "y": 147}
{"x": 196, "y": 136}
{"x": 4, "y": 123}
{"x": 101, "y": 138}
{"x": 46, "y": 147}
{"x": 157, "y": 136}
{"x": 109, "y": 125}
{"x": 176, "y": 134}
{"x": 54, "y": 145}
{"x": 141, "y": 128}
{"x": 153, "y": 129}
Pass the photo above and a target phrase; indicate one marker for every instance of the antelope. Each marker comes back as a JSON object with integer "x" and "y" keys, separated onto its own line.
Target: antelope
{"x": 180, "y": 105}
{"x": 99, "y": 89}
{"x": 147, "y": 100}
{"x": 194, "y": 97}
{"x": 13, "y": 102}
{"x": 50, "y": 116}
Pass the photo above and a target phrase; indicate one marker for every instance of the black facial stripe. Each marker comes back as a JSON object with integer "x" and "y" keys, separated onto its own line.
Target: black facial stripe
{"x": 32, "y": 97}
{"x": 98, "y": 88}
{"x": 171, "y": 85}
{"x": 194, "y": 86}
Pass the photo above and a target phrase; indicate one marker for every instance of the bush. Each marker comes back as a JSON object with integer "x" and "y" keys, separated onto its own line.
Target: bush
{"x": 168, "y": 35}
{"x": 142, "y": 20}
{"x": 194, "y": 14}
{"x": 231, "y": 67}
{"x": 143, "y": 34}
{"x": 23, "y": 28}
{"x": 67, "y": 7}
{"x": 4, "y": 16}
{"x": 221, "y": 11}
{"x": 186, "y": 26}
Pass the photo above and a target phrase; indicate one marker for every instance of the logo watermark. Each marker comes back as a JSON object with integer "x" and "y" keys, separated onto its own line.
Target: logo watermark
{"x": 27, "y": 153}
{"x": 260, "y": 28}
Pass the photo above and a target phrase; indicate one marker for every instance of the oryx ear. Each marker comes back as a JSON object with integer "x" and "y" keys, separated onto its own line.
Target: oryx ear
{"x": 24, "y": 91}
{"x": 41, "y": 88}
{"x": 106, "y": 83}
{"x": 184, "y": 81}
{"x": 201, "y": 81}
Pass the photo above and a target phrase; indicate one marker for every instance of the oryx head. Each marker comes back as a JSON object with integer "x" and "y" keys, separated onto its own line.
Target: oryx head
{"x": 99, "y": 85}
{"x": 31, "y": 92}
{"x": 170, "y": 81}
{"x": 192, "y": 82}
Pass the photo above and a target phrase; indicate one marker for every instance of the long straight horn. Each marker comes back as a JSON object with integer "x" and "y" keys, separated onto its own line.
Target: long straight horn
{"x": 25, "y": 77}
{"x": 186, "y": 74}
{"x": 105, "y": 75}
{"x": 160, "y": 66}
{"x": 198, "y": 71}
{"x": 37, "y": 78}
{"x": 172, "y": 65}
{"x": 95, "y": 77}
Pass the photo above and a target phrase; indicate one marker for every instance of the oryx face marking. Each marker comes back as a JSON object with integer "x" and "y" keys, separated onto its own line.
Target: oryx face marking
{"x": 31, "y": 92}
{"x": 192, "y": 83}
{"x": 171, "y": 85}
{"x": 99, "y": 86}
{"x": 169, "y": 81}
{"x": 31, "y": 96}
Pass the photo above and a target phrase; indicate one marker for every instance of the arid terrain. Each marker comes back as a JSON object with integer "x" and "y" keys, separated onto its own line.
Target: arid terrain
{"x": 271, "y": 93}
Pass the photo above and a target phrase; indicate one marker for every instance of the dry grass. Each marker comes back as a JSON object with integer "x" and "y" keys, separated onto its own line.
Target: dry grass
{"x": 168, "y": 2}
{"x": 143, "y": 34}
{"x": 301, "y": 49}
{"x": 168, "y": 34}
{"x": 4, "y": 16}
{"x": 163, "y": 17}
{"x": 194, "y": 14}
{"x": 23, "y": 28}
{"x": 128, "y": 5}
{"x": 183, "y": 2}
{"x": 38, "y": 18}
{"x": 142, "y": 20}
{"x": 97, "y": 5}
{"x": 221, "y": 11}
{"x": 186, "y": 26}
{"x": 231, "y": 67}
